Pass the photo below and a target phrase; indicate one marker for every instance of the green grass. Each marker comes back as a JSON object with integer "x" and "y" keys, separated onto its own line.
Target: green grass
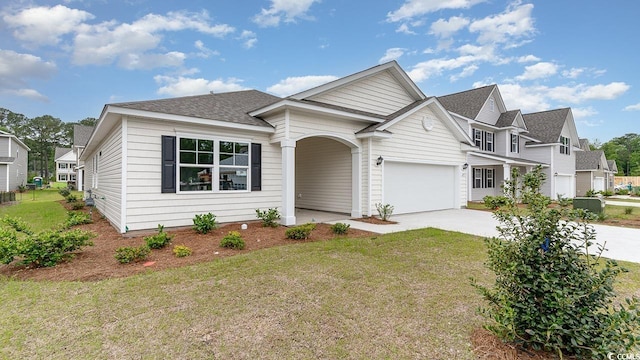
{"x": 614, "y": 212}
{"x": 402, "y": 295}
{"x": 631, "y": 200}
{"x": 39, "y": 208}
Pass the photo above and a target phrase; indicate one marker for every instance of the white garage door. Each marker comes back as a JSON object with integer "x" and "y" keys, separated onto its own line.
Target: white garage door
{"x": 413, "y": 187}
{"x": 564, "y": 186}
{"x": 598, "y": 184}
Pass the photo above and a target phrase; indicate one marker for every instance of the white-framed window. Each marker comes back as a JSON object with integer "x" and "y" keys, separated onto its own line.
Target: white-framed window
{"x": 484, "y": 140}
{"x": 201, "y": 160}
{"x": 492, "y": 104}
{"x": 62, "y": 165}
{"x": 565, "y": 145}
{"x": 484, "y": 178}
{"x": 515, "y": 143}
{"x": 62, "y": 177}
{"x": 72, "y": 177}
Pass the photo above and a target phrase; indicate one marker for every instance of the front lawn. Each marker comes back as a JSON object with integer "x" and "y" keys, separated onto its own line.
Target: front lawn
{"x": 39, "y": 208}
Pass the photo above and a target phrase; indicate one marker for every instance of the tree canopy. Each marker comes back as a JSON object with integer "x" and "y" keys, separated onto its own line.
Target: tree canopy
{"x": 625, "y": 150}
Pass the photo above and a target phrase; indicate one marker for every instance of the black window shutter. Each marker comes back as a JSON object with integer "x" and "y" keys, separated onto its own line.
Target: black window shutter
{"x": 256, "y": 167}
{"x": 168, "y": 164}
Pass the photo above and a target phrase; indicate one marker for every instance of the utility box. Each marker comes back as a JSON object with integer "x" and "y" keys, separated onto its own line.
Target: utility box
{"x": 38, "y": 181}
{"x": 593, "y": 204}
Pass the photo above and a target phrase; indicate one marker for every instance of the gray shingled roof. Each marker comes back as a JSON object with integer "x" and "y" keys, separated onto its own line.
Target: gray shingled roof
{"x": 612, "y": 165}
{"x": 546, "y": 126}
{"x": 61, "y": 152}
{"x": 231, "y": 106}
{"x": 81, "y": 134}
{"x": 507, "y": 118}
{"x": 588, "y": 160}
{"x": 467, "y": 103}
{"x": 584, "y": 144}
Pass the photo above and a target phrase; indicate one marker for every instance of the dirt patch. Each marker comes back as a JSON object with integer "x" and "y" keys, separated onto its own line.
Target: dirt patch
{"x": 375, "y": 220}
{"x": 97, "y": 262}
{"x": 488, "y": 347}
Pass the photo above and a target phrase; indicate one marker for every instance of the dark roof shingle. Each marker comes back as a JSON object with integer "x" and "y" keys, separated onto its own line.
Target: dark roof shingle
{"x": 588, "y": 160}
{"x": 60, "y": 152}
{"x": 231, "y": 106}
{"x": 467, "y": 103}
{"x": 81, "y": 134}
{"x": 546, "y": 126}
{"x": 506, "y": 119}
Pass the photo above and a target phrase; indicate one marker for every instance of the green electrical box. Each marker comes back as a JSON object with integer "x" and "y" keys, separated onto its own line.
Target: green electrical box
{"x": 38, "y": 181}
{"x": 593, "y": 204}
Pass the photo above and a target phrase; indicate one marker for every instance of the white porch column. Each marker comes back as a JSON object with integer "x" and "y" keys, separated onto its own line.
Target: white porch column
{"x": 506, "y": 168}
{"x": 356, "y": 183}
{"x": 288, "y": 182}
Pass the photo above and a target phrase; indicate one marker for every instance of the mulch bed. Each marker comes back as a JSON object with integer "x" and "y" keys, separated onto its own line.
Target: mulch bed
{"x": 98, "y": 262}
{"x": 375, "y": 220}
{"x": 487, "y": 346}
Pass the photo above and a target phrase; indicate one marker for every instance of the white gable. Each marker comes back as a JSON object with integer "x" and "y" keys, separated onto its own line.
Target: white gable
{"x": 492, "y": 109}
{"x": 68, "y": 157}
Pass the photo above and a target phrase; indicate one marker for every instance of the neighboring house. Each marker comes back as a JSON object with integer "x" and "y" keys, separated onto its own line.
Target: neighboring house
{"x": 65, "y": 160}
{"x": 13, "y": 162}
{"x": 498, "y": 134}
{"x": 613, "y": 170}
{"x": 371, "y": 137}
{"x": 555, "y": 141}
{"x": 81, "y": 135}
{"x": 592, "y": 170}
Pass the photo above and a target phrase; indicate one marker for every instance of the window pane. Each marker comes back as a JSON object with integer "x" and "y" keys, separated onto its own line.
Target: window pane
{"x": 226, "y": 159}
{"x": 187, "y": 157}
{"x": 205, "y": 145}
{"x": 242, "y": 160}
{"x": 226, "y": 147}
{"x": 233, "y": 179}
{"x": 187, "y": 144}
{"x": 205, "y": 158}
{"x": 242, "y": 148}
{"x": 195, "y": 179}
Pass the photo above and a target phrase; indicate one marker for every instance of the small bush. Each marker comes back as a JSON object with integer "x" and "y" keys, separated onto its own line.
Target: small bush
{"x": 17, "y": 224}
{"x": 300, "y": 232}
{"x": 606, "y": 193}
{"x": 129, "y": 254}
{"x": 8, "y": 245}
{"x": 64, "y": 192}
{"x": 78, "y": 205}
{"x": 590, "y": 193}
{"x": 495, "y": 202}
{"x": 384, "y": 211}
{"x": 622, "y": 192}
{"x": 269, "y": 217}
{"x": 181, "y": 251}
{"x": 77, "y": 218}
{"x": 71, "y": 198}
{"x": 203, "y": 223}
{"x": 340, "y": 228}
{"x": 159, "y": 240}
{"x": 233, "y": 240}
{"x": 564, "y": 201}
{"x": 628, "y": 210}
{"x": 49, "y": 248}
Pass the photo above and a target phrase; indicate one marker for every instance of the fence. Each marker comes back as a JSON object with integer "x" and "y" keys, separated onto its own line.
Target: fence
{"x": 624, "y": 180}
{"x": 7, "y": 196}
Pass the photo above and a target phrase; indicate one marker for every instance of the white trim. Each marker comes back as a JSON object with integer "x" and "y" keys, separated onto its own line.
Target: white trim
{"x": 374, "y": 134}
{"x": 291, "y": 104}
{"x": 123, "y": 169}
{"x": 7, "y": 170}
{"x": 423, "y": 162}
{"x": 369, "y": 179}
{"x": 287, "y": 123}
{"x": 337, "y": 137}
{"x": 356, "y": 182}
{"x": 288, "y": 182}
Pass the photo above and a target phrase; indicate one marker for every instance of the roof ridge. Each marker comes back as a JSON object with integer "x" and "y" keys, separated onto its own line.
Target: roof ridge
{"x": 468, "y": 90}
{"x": 186, "y": 97}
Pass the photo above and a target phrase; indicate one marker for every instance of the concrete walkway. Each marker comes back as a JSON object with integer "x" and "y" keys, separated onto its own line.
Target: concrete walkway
{"x": 621, "y": 243}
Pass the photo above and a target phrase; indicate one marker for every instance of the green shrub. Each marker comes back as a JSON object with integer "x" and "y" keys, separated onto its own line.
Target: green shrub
{"x": 77, "y": 218}
{"x": 564, "y": 201}
{"x": 340, "y": 228}
{"x": 181, "y": 251}
{"x": 269, "y": 217}
{"x": 549, "y": 292}
{"x": 590, "y": 193}
{"x": 129, "y": 254}
{"x": 495, "y": 202}
{"x": 64, "y": 192}
{"x": 8, "y": 245}
{"x": 628, "y": 210}
{"x": 384, "y": 211}
{"x": 17, "y": 224}
{"x": 78, "y": 205}
{"x": 71, "y": 198}
{"x": 203, "y": 223}
{"x": 606, "y": 193}
{"x": 49, "y": 248}
{"x": 233, "y": 240}
{"x": 300, "y": 232}
{"x": 159, "y": 240}
{"x": 622, "y": 192}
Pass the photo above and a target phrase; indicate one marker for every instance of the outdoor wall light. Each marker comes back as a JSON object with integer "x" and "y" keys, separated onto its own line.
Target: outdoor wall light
{"x": 555, "y": 174}
{"x": 465, "y": 166}
{"x": 379, "y": 161}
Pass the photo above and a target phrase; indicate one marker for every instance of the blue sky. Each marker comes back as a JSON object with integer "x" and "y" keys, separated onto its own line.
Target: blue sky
{"x": 69, "y": 58}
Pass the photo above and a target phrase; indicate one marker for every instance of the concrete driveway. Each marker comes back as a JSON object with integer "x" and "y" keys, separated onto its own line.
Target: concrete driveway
{"x": 621, "y": 243}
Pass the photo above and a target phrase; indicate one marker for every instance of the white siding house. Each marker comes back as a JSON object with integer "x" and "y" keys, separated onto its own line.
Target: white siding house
{"x": 13, "y": 162}
{"x": 340, "y": 147}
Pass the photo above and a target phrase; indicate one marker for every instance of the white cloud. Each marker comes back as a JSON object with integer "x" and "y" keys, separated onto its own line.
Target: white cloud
{"x": 538, "y": 71}
{"x": 392, "y": 54}
{"x": 132, "y": 45}
{"x": 183, "y": 86}
{"x": 528, "y": 99}
{"x": 508, "y": 27}
{"x": 581, "y": 92}
{"x": 45, "y": 25}
{"x": 433, "y": 67}
{"x": 16, "y": 68}
{"x": 635, "y": 107}
{"x": 573, "y": 72}
{"x": 404, "y": 28}
{"x": 283, "y": 10}
{"x": 293, "y": 85}
{"x": 249, "y": 38}
{"x": 466, "y": 72}
{"x": 446, "y": 28}
{"x": 204, "y": 52}
{"x": 528, "y": 58}
{"x": 579, "y": 113}
{"x": 415, "y": 8}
